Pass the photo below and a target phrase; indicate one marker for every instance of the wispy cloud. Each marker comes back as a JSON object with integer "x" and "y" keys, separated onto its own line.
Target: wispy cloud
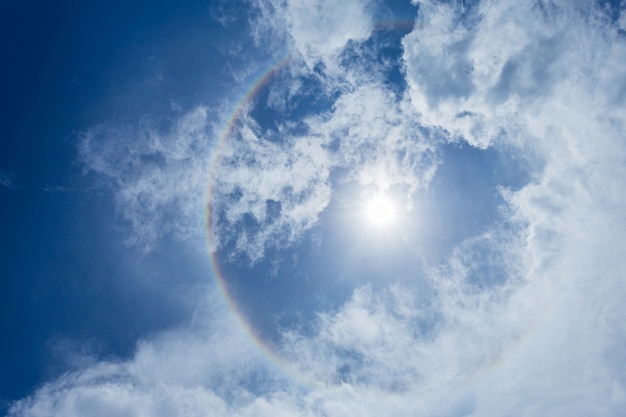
{"x": 6, "y": 180}
{"x": 272, "y": 185}
{"x": 158, "y": 175}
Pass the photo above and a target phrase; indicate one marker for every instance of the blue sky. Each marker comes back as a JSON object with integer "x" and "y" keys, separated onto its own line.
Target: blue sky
{"x": 313, "y": 208}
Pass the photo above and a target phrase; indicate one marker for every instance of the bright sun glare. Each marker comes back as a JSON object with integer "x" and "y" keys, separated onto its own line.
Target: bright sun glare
{"x": 380, "y": 211}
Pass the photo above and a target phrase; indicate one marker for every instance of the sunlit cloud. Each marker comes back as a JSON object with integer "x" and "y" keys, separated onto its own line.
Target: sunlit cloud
{"x": 319, "y": 30}
{"x": 283, "y": 185}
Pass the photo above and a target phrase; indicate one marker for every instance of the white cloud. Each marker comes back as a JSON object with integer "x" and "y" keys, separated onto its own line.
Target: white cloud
{"x": 270, "y": 185}
{"x": 486, "y": 355}
{"x": 317, "y": 29}
{"x": 544, "y": 75}
{"x": 374, "y": 133}
{"x": 159, "y": 176}
{"x": 198, "y": 370}
{"x": 280, "y": 181}
{"x": 546, "y": 338}
{"x": 489, "y": 74}
{"x": 281, "y": 185}
{"x": 549, "y": 344}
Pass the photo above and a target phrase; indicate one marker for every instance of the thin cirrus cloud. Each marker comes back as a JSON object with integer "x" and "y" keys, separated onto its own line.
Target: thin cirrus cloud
{"x": 547, "y": 338}
{"x": 7, "y": 181}
{"x": 158, "y": 176}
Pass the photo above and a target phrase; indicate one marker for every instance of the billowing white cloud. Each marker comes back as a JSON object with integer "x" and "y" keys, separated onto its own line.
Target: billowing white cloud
{"x": 539, "y": 346}
{"x": 201, "y": 369}
{"x": 484, "y": 73}
{"x": 544, "y": 76}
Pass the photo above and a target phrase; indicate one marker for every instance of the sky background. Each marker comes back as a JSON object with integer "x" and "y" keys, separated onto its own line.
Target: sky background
{"x": 185, "y": 189}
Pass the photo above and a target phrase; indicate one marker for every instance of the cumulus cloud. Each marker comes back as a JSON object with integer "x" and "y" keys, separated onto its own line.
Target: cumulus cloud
{"x": 544, "y": 337}
{"x": 537, "y": 74}
{"x": 482, "y": 73}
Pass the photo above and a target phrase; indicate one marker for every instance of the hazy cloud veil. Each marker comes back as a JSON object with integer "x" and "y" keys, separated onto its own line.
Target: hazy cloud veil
{"x": 544, "y": 337}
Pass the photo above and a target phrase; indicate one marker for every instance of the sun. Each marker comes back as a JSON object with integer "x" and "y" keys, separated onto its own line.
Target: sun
{"x": 380, "y": 211}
